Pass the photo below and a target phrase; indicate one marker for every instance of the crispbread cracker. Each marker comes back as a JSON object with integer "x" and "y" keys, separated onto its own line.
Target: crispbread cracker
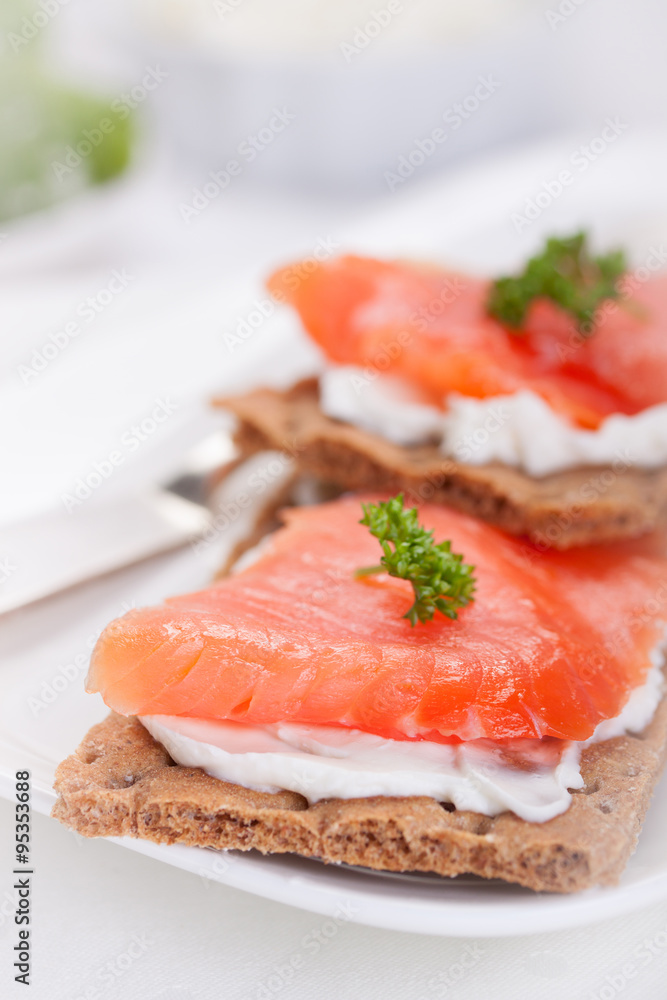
{"x": 577, "y": 507}
{"x": 121, "y": 782}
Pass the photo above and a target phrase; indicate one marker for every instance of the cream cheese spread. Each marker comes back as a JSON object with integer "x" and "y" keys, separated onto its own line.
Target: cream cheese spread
{"x": 522, "y": 430}
{"x": 519, "y": 430}
{"x": 384, "y": 404}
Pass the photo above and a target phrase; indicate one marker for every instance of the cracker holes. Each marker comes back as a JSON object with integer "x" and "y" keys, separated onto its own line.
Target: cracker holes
{"x": 483, "y": 826}
{"x": 587, "y": 789}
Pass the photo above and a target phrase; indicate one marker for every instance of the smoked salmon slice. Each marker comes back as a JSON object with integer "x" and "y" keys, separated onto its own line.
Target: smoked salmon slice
{"x": 552, "y": 643}
{"x": 432, "y": 326}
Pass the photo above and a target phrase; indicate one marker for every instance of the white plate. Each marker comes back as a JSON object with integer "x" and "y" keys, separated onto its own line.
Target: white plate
{"x": 44, "y": 712}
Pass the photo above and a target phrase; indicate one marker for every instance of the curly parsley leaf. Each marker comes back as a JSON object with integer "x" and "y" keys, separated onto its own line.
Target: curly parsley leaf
{"x": 441, "y": 581}
{"x": 564, "y": 272}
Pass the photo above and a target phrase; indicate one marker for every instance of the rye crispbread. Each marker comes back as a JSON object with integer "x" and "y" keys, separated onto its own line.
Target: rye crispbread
{"x": 577, "y": 507}
{"x": 121, "y": 782}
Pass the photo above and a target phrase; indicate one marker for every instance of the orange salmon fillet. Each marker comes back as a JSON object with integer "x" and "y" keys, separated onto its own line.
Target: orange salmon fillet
{"x": 431, "y": 326}
{"x": 552, "y": 644}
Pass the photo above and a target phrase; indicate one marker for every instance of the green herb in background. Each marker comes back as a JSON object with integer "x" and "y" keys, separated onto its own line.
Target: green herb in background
{"x": 52, "y": 144}
{"x": 564, "y": 272}
{"x": 46, "y": 154}
{"x": 441, "y": 581}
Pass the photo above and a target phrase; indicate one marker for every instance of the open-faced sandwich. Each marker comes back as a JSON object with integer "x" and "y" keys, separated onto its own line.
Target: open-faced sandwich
{"x": 394, "y": 687}
{"x": 537, "y": 402}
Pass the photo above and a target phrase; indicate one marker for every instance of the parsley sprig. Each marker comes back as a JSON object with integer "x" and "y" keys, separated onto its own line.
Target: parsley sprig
{"x": 564, "y": 272}
{"x": 441, "y": 581}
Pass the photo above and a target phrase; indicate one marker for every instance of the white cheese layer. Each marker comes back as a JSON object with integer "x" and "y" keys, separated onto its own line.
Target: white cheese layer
{"x": 519, "y": 430}
{"x": 385, "y": 404}
{"x": 531, "y": 778}
{"x": 522, "y": 430}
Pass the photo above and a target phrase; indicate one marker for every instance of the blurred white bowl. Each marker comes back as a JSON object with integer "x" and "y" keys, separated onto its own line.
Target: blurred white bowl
{"x": 363, "y": 105}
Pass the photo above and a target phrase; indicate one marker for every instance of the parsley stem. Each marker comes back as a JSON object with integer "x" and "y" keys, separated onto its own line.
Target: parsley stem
{"x": 367, "y": 570}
